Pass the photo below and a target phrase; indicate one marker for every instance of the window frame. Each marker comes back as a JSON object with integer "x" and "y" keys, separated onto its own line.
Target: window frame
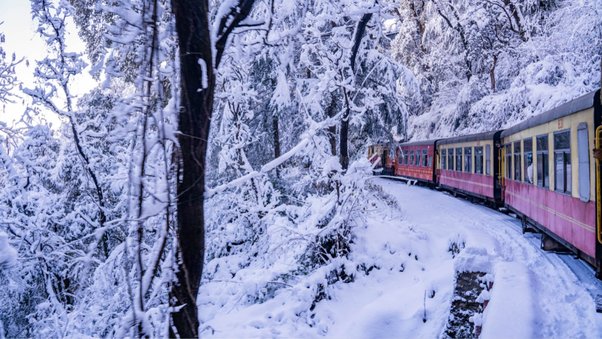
{"x": 467, "y": 152}
{"x": 563, "y": 153}
{"x": 459, "y": 155}
{"x": 517, "y": 163}
{"x": 443, "y": 159}
{"x": 543, "y": 161}
{"x": 508, "y": 157}
{"x": 487, "y": 160}
{"x": 583, "y": 162}
{"x": 478, "y": 160}
{"x": 528, "y": 157}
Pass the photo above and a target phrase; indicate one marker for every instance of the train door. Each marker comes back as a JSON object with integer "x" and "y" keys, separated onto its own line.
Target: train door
{"x": 597, "y": 153}
{"x": 598, "y": 186}
{"x": 496, "y": 156}
{"x": 501, "y": 169}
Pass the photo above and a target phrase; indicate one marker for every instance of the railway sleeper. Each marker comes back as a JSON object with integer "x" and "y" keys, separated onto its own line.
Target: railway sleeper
{"x": 468, "y": 305}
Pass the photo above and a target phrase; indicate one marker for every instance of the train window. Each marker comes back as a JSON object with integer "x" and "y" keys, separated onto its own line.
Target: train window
{"x": 425, "y": 158}
{"x": 562, "y": 161}
{"x": 443, "y": 159}
{"x": 508, "y": 161}
{"x": 488, "y": 159}
{"x": 468, "y": 159}
{"x": 543, "y": 171}
{"x": 528, "y": 160}
{"x": 417, "y": 159}
{"x": 478, "y": 160}
{"x": 517, "y": 161}
{"x": 459, "y": 159}
{"x": 583, "y": 153}
{"x": 450, "y": 159}
{"x": 411, "y": 157}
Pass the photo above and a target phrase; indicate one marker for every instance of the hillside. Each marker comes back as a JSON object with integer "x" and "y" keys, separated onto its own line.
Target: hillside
{"x": 484, "y": 65}
{"x": 415, "y": 254}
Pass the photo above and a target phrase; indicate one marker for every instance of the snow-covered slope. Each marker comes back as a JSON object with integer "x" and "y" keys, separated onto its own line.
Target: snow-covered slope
{"x": 409, "y": 290}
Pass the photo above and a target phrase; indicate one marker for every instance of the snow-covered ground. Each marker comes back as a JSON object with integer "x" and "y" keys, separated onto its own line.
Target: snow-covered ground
{"x": 409, "y": 292}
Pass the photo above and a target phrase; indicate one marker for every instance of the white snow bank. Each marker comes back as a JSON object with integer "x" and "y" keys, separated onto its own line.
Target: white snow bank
{"x": 473, "y": 259}
{"x": 534, "y": 295}
{"x": 509, "y": 313}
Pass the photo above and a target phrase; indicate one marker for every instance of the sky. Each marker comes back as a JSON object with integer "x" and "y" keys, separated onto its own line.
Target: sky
{"x": 21, "y": 38}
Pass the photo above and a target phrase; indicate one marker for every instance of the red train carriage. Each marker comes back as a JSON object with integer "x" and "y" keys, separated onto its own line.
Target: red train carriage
{"x": 415, "y": 160}
{"x": 550, "y": 174}
{"x": 468, "y": 164}
{"x": 380, "y": 156}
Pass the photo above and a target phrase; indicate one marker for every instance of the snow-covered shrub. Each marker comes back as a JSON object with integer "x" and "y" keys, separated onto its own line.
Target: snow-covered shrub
{"x": 486, "y": 69}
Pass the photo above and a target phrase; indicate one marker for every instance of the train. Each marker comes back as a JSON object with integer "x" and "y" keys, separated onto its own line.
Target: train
{"x": 545, "y": 170}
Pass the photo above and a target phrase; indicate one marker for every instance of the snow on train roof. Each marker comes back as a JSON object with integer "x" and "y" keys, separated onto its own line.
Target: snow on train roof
{"x": 466, "y": 138}
{"x": 581, "y": 103}
{"x": 418, "y": 143}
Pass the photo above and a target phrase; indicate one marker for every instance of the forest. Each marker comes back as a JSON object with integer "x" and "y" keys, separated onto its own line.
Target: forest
{"x": 220, "y": 158}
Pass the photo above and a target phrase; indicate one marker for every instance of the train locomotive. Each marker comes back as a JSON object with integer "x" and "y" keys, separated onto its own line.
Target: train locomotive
{"x": 546, "y": 170}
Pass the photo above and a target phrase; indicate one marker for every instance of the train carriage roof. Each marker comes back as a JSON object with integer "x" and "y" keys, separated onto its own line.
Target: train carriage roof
{"x": 581, "y": 103}
{"x": 467, "y": 138}
{"x": 419, "y": 143}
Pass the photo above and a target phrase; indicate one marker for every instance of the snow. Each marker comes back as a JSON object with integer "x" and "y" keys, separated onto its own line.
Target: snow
{"x": 8, "y": 255}
{"x": 409, "y": 291}
{"x": 510, "y": 311}
{"x": 558, "y": 60}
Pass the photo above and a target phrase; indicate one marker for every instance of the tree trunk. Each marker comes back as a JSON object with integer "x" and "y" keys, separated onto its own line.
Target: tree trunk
{"x": 332, "y": 130}
{"x": 344, "y": 134}
{"x": 460, "y": 29}
{"x": 276, "y": 136}
{"x": 196, "y": 106}
{"x": 276, "y": 127}
{"x": 358, "y": 34}
{"x": 197, "y": 81}
{"x": 492, "y": 73}
{"x": 517, "y": 15}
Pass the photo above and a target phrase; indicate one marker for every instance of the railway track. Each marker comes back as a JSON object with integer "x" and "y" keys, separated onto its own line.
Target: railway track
{"x": 537, "y": 291}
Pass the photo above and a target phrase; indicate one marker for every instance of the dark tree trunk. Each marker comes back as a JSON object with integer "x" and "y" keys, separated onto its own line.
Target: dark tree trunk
{"x": 197, "y": 92}
{"x": 196, "y": 106}
{"x": 344, "y": 134}
{"x": 360, "y": 30}
{"x": 276, "y": 127}
{"x": 276, "y": 136}
{"x": 332, "y": 130}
